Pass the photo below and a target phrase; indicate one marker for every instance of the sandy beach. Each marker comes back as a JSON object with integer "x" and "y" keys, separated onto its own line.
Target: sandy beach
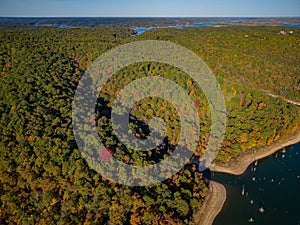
{"x": 241, "y": 163}
{"x": 217, "y": 193}
{"x": 213, "y": 204}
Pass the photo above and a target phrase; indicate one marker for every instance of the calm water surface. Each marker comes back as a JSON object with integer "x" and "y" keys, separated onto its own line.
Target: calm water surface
{"x": 140, "y": 30}
{"x": 291, "y": 25}
{"x": 267, "y": 193}
{"x": 64, "y": 26}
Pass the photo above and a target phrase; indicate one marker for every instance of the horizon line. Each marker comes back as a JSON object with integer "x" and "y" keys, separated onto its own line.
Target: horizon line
{"x": 150, "y": 17}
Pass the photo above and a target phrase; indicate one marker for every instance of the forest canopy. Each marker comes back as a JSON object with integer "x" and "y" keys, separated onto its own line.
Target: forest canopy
{"x": 43, "y": 176}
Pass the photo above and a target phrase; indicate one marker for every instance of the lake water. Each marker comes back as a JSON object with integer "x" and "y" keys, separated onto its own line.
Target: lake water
{"x": 202, "y": 25}
{"x": 273, "y": 186}
{"x": 140, "y": 30}
{"x": 64, "y": 26}
{"x": 291, "y": 25}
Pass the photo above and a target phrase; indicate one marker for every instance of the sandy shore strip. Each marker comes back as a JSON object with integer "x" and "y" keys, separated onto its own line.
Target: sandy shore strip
{"x": 240, "y": 165}
{"x": 216, "y": 195}
{"x": 212, "y": 206}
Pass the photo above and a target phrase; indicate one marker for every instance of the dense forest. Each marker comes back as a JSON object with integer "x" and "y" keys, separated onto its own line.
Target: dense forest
{"x": 43, "y": 177}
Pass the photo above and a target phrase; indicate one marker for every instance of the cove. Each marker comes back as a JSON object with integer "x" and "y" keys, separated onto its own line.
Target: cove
{"x": 267, "y": 193}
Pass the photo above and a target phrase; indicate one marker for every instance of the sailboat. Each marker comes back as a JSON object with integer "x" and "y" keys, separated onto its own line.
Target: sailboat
{"x": 261, "y": 209}
{"x": 243, "y": 190}
{"x": 251, "y": 220}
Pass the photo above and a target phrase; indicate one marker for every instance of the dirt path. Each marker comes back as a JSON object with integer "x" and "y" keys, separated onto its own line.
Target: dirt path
{"x": 284, "y": 99}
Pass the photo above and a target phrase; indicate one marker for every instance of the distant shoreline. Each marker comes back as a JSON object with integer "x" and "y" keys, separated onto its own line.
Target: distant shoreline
{"x": 148, "y": 22}
{"x": 237, "y": 167}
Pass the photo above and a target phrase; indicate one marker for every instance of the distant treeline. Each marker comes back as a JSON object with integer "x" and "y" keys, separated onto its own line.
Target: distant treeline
{"x": 129, "y": 22}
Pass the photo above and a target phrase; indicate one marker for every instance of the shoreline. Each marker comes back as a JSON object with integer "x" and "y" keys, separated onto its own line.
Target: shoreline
{"x": 214, "y": 202}
{"x": 217, "y": 193}
{"x": 241, "y": 163}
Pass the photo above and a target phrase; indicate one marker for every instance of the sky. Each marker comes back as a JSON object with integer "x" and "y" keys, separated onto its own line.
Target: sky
{"x": 146, "y": 8}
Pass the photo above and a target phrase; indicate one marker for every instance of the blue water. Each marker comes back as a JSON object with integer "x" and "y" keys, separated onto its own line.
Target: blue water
{"x": 202, "y": 25}
{"x": 238, "y": 21}
{"x": 291, "y": 25}
{"x": 140, "y": 30}
{"x": 274, "y": 184}
{"x": 64, "y": 26}
{"x": 179, "y": 27}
